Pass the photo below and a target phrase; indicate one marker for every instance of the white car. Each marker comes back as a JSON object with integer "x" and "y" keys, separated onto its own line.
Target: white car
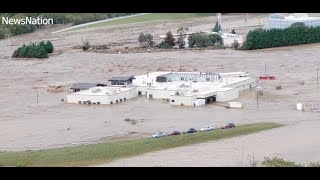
{"x": 207, "y": 128}
{"x": 159, "y": 135}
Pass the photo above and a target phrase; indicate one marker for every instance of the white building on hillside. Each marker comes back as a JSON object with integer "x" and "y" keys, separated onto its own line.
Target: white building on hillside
{"x": 278, "y": 22}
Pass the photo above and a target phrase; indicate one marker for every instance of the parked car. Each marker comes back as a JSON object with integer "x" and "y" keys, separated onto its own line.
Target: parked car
{"x": 175, "y": 133}
{"x": 207, "y": 128}
{"x": 191, "y": 130}
{"x": 230, "y": 125}
{"x": 159, "y": 135}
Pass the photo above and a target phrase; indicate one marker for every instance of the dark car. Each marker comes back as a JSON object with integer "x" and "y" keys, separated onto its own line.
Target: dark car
{"x": 175, "y": 133}
{"x": 191, "y": 130}
{"x": 230, "y": 125}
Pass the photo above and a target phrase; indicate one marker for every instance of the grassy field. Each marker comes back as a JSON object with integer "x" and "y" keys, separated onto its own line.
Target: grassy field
{"x": 148, "y": 17}
{"x": 105, "y": 152}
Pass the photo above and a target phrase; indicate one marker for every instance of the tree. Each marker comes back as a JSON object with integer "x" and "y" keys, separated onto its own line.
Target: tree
{"x": 181, "y": 41}
{"x": 146, "y": 39}
{"x": 169, "y": 39}
{"x": 217, "y": 27}
{"x": 49, "y": 47}
{"x": 168, "y": 42}
{"x": 142, "y": 38}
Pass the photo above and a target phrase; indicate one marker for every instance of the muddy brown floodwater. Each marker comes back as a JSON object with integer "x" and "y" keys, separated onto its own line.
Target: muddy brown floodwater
{"x": 26, "y": 124}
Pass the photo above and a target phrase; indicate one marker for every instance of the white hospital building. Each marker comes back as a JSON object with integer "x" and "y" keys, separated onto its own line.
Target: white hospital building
{"x": 178, "y": 88}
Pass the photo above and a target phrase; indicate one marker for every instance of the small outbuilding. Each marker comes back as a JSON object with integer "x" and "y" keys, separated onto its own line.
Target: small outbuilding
{"x": 121, "y": 81}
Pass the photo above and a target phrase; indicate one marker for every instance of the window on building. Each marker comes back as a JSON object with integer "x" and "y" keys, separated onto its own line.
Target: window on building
{"x": 111, "y": 102}
{"x": 208, "y": 79}
{"x": 79, "y": 102}
{"x": 125, "y": 99}
{"x": 84, "y": 102}
{"x": 98, "y": 102}
{"x": 120, "y": 100}
{"x": 117, "y": 101}
{"x": 182, "y": 78}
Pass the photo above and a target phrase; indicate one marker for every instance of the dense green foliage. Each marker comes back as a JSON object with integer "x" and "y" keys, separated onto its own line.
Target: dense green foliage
{"x": 34, "y": 50}
{"x": 296, "y": 34}
{"x": 58, "y": 18}
{"x": 204, "y": 40}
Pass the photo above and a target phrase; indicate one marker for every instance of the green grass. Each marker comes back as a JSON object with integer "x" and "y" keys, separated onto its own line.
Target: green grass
{"x": 105, "y": 152}
{"x": 147, "y": 17}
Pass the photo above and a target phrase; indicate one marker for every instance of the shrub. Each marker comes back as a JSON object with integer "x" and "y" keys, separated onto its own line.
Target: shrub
{"x": 203, "y": 40}
{"x": 235, "y": 44}
{"x": 214, "y": 39}
{"x": 278, "y": 162}
{"x": 165, "y": 45}
{"x": 169, "y": 39}
{"x": 296, "y": 34}
{"x": 31, "y": 51}
{"x": 85, "y": 45}
{"x": 146, "y": 40}
{"x": 49, "y": 47}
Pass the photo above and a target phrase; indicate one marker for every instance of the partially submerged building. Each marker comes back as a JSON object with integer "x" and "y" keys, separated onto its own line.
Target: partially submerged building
{"x": 178, "y": 88}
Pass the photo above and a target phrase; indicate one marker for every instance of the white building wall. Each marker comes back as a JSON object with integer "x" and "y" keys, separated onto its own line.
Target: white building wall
{"x": 160, "y": 94}
{"x": 228, "y": 41}
{"x": 243, "y": 85}
{"x": 185, "y": 100}
{"x": 103, "y": 99}
{"x": 228, "y": 95}
{"x": 143, "y": 90}
{"x": 120, "y": 96}
{"x": 75, "y": 98}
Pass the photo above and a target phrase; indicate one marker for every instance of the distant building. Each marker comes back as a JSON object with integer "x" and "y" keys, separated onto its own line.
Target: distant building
{"x": 277, "y": 21}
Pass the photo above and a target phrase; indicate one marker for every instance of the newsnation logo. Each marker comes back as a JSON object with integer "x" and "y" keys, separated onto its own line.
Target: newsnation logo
{"x": 27, "y": 21}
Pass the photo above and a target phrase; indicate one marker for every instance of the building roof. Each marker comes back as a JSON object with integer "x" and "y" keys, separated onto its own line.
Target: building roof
{"x": 121, "y": 78}
{"x": 85, "y": 85}
{"x": 102, "y": 91}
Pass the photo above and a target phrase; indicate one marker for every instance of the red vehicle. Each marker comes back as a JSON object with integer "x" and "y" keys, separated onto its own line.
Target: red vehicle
{"x": 267, "y": 77}
{"x": 175, "y": 133}
{"x": 228, "y": 126}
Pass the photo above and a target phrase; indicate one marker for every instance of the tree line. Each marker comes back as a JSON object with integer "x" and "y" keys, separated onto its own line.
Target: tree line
{"x": 296, "y": 34}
